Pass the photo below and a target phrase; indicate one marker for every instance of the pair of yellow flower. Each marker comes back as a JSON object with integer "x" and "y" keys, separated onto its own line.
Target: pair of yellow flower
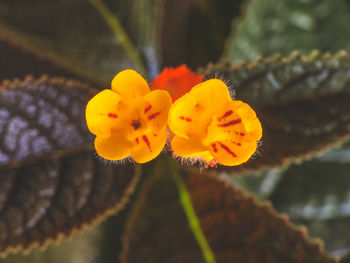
{"x": 205, "y": 123}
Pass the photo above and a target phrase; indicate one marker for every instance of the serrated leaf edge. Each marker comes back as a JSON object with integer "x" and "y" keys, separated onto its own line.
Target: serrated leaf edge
{"x": 301, "y": 229}
{"x": 341, "y": 56}
{"x": 84, "y": 226}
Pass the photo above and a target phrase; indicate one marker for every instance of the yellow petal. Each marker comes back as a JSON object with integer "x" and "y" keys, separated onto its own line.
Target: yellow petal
{"x": 102, "y": 113}
{"x": 228, "y": 123}
{"x": 148, "y": 146}
{"x": 190, "y": 148}
{"x": 211, "y": 92}
{"x": 233, "y": 134}
{"x": 115, "y": 147}
{"x": 191, "y": 114}
{"x": 156, "y": 109}
{"x": 229, "y": 152}
{"x": 129, "y": 84}
{"x": 250, "y": 121}
{"x": 206, "y": 122}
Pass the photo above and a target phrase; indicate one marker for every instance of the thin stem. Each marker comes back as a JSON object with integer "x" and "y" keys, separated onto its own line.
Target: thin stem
{"x": 119, "y": 32}
{"x": 192, "y": 218}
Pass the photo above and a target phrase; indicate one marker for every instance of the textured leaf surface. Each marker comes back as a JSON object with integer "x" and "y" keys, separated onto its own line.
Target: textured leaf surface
{"x": 38, "y": 117}
{"x": 44, "y": 202}
{"x": 302, "y": 102}
{"x": 281, "y": 26}
{"x": 73, "y": 33}
{"x": 317, "y": 194}
{"x": 237, "y": 228}
{"x": 280, "y": 79}
{"x": 51, "y": 184}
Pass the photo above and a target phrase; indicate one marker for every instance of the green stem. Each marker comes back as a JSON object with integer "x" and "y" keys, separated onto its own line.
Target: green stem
{"x": 192, "y": 218}
{"x": 119, "y": 32}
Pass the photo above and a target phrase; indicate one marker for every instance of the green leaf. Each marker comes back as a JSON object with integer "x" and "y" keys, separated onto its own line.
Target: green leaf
{"x": 282, "y": 79}
{"x": 80, "y": 248}
{"x": 51, "y": 183}
{"x": 302, "y": 103}
{"x": 16, "y": 63}
{"x": 281, "y": 26}
{"x": 236, "y": 226}
{"x": 317, "y": 194}
{"x": 75, "y": 36}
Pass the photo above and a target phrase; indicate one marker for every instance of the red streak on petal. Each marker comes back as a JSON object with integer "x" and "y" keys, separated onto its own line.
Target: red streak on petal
{"x": 148, "y": 108}
{"x": 145, "y": 139}
{"x": 228, "y": 113}
{"x": 230, "y": 123}
{"x": 137, "y": 140}
{"x": 239, "y": 144}
{"x": 185, "y": 119}
{"x": 214, "y": 147}
{"x": 242, "y": 134}
{"x": 112, "y": 115}
{"x": 155, "y": 135}
{"x": 152, "y": 116}
{"x": 227, "y": 149}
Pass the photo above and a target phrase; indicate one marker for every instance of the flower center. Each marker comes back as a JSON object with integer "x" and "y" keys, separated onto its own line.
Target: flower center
{"x": 136, "y": 124}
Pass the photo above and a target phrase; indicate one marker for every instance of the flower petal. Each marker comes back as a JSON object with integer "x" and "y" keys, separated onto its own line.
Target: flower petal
{"x": 236, "y": 119}
{"x": 102, "y": 113}
{"x": 250, "y": 121}
{"x": 148, "y": 146}
{"x": 190, "y": 148}
{"x": 115, "y": 147}
{"x": 233, "y": 134}
{"x": 191, "y": 114}
{"x": 207, "y": 123}
{"x": 156, "y": 109}
{"x": 129, "y": 84}
{"x": 229, "y": 152}
{"x": 177, "y": 81}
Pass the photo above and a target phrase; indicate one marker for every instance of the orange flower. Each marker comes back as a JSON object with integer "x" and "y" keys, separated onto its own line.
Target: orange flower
{"x": 129, "y": 119}
{"x": 210, "y": 126}
{"x": 177, "y": 81}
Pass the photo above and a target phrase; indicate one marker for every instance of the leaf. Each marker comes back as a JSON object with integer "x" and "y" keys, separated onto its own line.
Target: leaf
{"x": 157, "y": 228}
{"x": 74, "y": 35}
{"x": 237, "y": 228}
{"x": 16, "y": 63}
{"x": 281, "y": 26}
{"x": 340, "y": 154}
{"x": 281, "y": 79}
{"x": 53, "y": 199}
{"x": 302, "y": 103}
{"x": 38, "y": 117}
{"x": 80, "y": 248}
{"x": 317, "y": 194}
{"x": 51, "y": 183}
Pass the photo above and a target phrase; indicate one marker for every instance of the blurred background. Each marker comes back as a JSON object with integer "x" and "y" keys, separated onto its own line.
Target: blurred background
{"x": 70, "y": 38}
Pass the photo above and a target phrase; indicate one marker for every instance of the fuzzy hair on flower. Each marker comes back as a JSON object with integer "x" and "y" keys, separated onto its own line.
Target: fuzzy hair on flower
{"x": 129, "y": 119}
{"x": 208, "y": 125}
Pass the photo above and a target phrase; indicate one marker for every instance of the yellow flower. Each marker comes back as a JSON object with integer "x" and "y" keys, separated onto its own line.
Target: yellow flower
{"x": 209, "y": 125}
{"x": 129, "y": 119}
